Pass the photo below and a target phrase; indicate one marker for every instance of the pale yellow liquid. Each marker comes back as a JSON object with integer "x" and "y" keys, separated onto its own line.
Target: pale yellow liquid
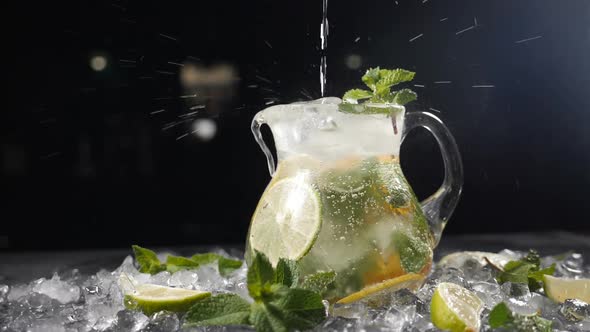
{"x": 372, "y": 227}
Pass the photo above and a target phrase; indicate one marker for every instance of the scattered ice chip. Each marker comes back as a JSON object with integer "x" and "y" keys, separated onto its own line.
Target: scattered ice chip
{"x": 575, "y": 310}
{"x": 18, "y": 291}
{"x": 162, "y": 322}
{"x": 516, "y": 290}
{"x": 129, "y": 320}
{"x": 57, "y": 289}
{"x": 571, "y": 266}
{"x": 4, "y": 289}
{"x": 488, "y": 292}
{"x": 98, "y": 305}
{"x": 327, "y": 124}
{"x": 338, "y": 324}
{"x": 184, "y": 279}
{"x": 46, "y": 326}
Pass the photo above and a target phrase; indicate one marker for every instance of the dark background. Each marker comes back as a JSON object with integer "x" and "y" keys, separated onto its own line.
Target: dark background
{"x": 88, "y": 161}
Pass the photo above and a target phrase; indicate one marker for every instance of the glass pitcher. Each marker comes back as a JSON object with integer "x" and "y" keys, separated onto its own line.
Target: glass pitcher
{"x": 338, "y": 200}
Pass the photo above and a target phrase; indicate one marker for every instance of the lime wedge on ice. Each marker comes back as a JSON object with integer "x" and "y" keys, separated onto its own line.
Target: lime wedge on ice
{"x": 454, "y": 308}
{"x": 287, "y": 220}
{"x": 561, "y": 289}
{"x": 153, "y": 298}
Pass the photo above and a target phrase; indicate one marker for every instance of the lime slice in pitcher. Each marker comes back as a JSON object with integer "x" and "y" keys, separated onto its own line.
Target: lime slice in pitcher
{"x": 287, "y": 220}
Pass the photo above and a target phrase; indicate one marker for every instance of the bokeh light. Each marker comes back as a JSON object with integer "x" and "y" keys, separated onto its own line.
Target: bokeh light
{"x": 98, "y": 63}
{"x": 354, "y": 61}
{"x": 204, "y": 128}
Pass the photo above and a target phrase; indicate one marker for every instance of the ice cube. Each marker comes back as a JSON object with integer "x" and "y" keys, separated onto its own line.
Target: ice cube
{"x": 543, "y": 305}
{"x": 488, "y": 292}
{"x": 4, "y": 289}
{"x": 46, "y": 326}
{"x": 183, "y": 279}
{"x": 162, "y": 322}
{"x": 575, "y": 310}
{"x": 73, "y": 277}
{"x": 385, "y": 320}
{"x": 404, "y": 297}
{"x": 512, "y": 254}
{"x": 327, "y": 124}
{"x": 584, "y": 325}
{"x": 572, "y": 266}
{"x": 352, "y": 310}
{"x": 210, "y": 280}
{"x": 131, "y": 321}
{"x": 516, "y": 290}
{"x": 338, "y": 324}
{"x": 452, "y": 275}
{"x": 474, "y": 271}
{"x": 160, "y": 278}
{"x": 127, "y": 267}
{"x": 18, "y": 291}
{"x": 57, "y": 289}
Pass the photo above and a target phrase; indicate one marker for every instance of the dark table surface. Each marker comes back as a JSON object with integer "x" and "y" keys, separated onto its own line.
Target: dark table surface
{"x": 19, "y": 267}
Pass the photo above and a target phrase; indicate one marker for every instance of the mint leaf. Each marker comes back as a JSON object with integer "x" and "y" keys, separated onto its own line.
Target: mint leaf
{"x": 286, "y": 273}
{"x": 380, "y": 82}
{"x": 177, "y": 263}
{"x": 205, "y": 258}
{"x": 502, "y": 317}
{"x": 147, "y": 260}
{"x": 356, "y": 94}
{"x": 224, "y": 265}
{"x": 404, "y": 96}
{"x": 288, "y": 309}
{"x": 319, "y": 282}
{"x": 371, "y": 78}
{"x": 301, "y": 309}
{"x": 227, "y": 265}
{"x": 267, "y": 318}
{"x": 389, "y": 78}
{"x": 515, "y": 271}
{"x": 534, "y": 258}
{"x": 223, "y": 309}
{"x": 527, "y": 271}
{"x": 536, "y": 277}
{"x": 260, "y": 274}
{"x": 413, "y": 252}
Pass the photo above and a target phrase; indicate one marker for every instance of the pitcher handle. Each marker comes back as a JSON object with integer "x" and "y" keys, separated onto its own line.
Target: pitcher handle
{"x": 257, "y": 122}
{"x": 439, "y": 207}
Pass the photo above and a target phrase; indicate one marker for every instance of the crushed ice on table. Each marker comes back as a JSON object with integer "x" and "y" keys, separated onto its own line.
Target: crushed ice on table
{"x": 70, "y": 302}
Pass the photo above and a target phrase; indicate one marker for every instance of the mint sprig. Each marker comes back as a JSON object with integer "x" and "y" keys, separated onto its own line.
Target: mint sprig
{"x": 279, "y": 305}
{"x": 525, "y": 271}
{"x": 148, "y": 262}
{"x": 380, "y": 82}
{"x": 502, "y": 317}
{"x": 223, "y": 309}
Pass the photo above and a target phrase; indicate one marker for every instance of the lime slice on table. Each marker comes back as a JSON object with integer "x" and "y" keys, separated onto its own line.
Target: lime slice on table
{"x": 454, "y": 308}
{"x": 287, "y": 220}
{"x": 561, "y": 289}
{"x": 153, "y": 298}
